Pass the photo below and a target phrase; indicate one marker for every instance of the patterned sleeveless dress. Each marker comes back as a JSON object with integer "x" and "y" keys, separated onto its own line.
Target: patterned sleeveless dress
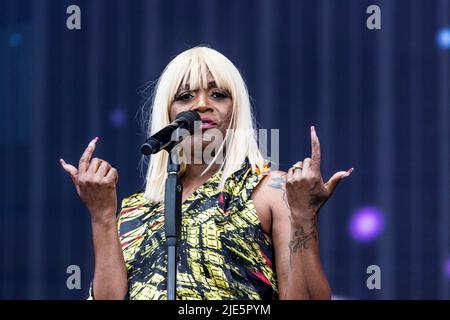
{"x": 222, "y": 252}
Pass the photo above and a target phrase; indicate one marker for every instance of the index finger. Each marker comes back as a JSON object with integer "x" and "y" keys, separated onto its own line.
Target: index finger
{"x": 315, "y": 149}
{"x": 83, "y": 165}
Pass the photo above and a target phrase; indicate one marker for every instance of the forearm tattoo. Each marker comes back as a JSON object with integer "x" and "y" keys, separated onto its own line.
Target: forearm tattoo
{"x": 304, "y": 235}
{"x": 302, "y": 239}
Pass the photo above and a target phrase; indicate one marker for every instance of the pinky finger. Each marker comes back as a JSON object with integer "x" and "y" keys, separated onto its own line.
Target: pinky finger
{"x": 113, "y": 175}
{"x": 68, "y": 168}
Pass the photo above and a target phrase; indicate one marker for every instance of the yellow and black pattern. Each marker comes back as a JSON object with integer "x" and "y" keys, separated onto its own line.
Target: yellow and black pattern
{"x": 223, "y": 252}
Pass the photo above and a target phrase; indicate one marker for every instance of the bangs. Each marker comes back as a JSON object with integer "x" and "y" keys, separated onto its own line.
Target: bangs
{"x": 194, "y": 74}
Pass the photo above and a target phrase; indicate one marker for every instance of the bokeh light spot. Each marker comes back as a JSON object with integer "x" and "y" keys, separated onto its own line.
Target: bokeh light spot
{"x": 443, "y": 38}
{"x": 366, "y": 224}
{"x": 118, "y": 117}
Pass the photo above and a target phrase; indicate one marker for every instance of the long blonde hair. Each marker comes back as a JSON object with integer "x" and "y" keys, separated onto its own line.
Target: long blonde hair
{"x": 192, "y": 66}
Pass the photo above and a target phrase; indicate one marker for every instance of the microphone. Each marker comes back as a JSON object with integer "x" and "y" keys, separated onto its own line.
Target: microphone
{"x": 163, "y": 138}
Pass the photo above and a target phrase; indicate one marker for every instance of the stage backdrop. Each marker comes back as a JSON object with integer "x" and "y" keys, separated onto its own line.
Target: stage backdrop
{"x": 378, "y": 98}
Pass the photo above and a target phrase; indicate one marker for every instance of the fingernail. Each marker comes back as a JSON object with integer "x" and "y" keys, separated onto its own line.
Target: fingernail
{"x": 350, "y": 170}
{"x": 313, "y": 129}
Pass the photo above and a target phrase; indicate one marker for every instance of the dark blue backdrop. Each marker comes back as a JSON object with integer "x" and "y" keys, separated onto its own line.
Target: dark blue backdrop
{"x": 378, "y": 98}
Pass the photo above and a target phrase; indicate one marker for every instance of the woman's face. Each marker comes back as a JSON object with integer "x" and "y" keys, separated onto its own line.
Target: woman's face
{"x": 214, "y": 106}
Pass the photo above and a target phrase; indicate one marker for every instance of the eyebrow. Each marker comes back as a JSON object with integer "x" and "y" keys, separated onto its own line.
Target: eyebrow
{"x": 211, "y": 84}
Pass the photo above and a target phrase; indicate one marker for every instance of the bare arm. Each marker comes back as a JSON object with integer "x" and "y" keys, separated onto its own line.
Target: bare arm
{"x": 297, "y": 259}
{"x": 95, "y": 181}
{"x": 110, "y": 275}
{"x": 296, "y": 198}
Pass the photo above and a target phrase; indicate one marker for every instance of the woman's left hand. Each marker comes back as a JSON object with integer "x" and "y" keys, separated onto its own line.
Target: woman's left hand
{"x": 305, "y": 190}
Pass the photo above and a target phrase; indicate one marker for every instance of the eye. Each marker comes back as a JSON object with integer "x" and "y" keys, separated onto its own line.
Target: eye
{"x": 185, "y": 96}
{"x": 219, "y": 95}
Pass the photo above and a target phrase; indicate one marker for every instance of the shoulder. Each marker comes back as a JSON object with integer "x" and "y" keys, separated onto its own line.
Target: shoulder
{"x": 270, "y": 189}
{"x": 137, "y": 196}
{"x": 131, "y": 222}
{"x": 133, "y": 206}
{"x": 268, "y": 193}
{"x": 275, "y": 176}
{"x": 274, "y": 179}
{"x": 134, "y": 199}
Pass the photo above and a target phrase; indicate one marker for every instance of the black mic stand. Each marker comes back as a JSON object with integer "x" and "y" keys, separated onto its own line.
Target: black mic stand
{"x": 174, "y": 189}
{"x": 172, "y": 203}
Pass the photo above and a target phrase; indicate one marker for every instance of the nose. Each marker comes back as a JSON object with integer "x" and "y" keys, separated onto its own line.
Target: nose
{"x": 201, "y": 105}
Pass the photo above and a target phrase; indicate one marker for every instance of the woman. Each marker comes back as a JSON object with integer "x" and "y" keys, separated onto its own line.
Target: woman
{"x": 248, "y": 232}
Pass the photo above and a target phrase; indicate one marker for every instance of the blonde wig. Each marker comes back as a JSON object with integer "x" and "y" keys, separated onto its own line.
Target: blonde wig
{"x": 193, "y": 66}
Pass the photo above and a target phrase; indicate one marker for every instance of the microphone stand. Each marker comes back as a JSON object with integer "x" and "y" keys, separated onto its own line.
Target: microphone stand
{"x": 172, "y": 203}
{"x": 174, "y": 189}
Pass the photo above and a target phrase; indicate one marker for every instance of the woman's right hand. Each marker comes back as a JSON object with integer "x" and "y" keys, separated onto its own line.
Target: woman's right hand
{"x": 95, "y": 181}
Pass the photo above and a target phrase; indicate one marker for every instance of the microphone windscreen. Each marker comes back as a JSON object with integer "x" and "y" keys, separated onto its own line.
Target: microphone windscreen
{"x": 189, "y": 117}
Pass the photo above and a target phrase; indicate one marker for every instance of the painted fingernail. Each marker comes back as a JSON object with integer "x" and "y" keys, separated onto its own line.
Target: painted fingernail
{"x": 94, "y": 141}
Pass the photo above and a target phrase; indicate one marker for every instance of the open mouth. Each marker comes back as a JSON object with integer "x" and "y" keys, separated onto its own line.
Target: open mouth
{"x": 208, "y": 124}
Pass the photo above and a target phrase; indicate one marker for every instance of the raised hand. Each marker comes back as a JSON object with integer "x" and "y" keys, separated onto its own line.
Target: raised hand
{"x": 306, "y": 191}
{"x": 95, "y": 181}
